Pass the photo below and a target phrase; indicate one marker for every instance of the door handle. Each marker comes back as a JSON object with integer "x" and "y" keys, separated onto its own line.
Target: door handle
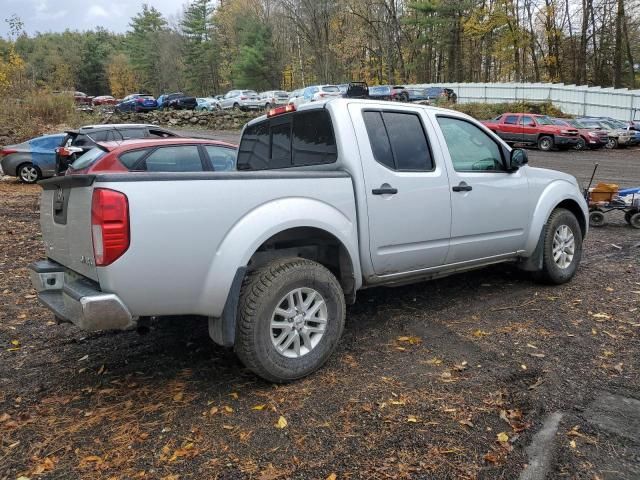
{"x": 384, "y": 190}
{"x": 462, "y": 187}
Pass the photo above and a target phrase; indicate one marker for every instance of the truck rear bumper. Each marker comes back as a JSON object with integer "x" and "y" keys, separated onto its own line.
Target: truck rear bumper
{"x": 78, "y": 300}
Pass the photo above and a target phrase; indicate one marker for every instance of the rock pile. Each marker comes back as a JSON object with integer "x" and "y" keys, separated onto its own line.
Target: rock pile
{"x": 216, "y": 120}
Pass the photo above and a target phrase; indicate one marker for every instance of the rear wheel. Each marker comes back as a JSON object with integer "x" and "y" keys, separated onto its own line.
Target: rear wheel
{"x": 545, "y": 143}
{"x": 562, "y": 248}
{"x": 627, "y": 215}
{"x": 612, "y": 143}
{"x": 236, "y": 107}
{"x": 634, "y": 220}
{"x": 290, "y": 318}
{"x": 267, "y": 106}
{"x": 29, "y": 173}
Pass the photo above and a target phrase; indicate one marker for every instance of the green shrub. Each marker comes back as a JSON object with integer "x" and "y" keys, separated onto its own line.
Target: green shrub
{"x": 486, "y": 111}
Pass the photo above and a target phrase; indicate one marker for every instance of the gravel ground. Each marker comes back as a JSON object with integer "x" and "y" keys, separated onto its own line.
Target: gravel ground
{"x": 446, "y": 379}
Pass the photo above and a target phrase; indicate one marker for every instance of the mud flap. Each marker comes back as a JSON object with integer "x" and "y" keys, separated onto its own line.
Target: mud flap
{"x": 222, "y": 330}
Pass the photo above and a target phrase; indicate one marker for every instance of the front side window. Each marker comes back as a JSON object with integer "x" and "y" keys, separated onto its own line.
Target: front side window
{"x": 511, "y": 120}
{"x": 470, "y": 148}
{"x": 527, "y": 121}
{"x": 398, "y": 140}
{"x": 184, "y": 158}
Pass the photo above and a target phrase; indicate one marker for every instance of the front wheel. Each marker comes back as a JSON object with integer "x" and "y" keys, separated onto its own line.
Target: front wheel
{"x": 612, "y": 143}
{"x": 29, "y": 173}
{"x": 545, "y": 143}
{"x": 581, "y": 145}
{"x": 236, "y": 107}
{"x": 562, "y": 248}
{"x": 267, "y": 106}
{"x": 634, "y": 220}
{"x": 290, "y": 319}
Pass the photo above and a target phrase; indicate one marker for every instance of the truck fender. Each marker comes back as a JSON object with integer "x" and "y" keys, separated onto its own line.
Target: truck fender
{"x": 559, "y": 193}
{"x": 260, "y": 224}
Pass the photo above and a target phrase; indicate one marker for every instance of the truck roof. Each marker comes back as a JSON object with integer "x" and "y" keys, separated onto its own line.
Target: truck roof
{"x": 320, "y": 104}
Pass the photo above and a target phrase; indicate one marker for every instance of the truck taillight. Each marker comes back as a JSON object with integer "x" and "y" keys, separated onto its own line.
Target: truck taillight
{"x": 109, "y": 225}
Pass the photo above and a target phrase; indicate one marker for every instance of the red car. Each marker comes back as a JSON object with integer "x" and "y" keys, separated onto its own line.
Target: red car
{"x": 533, "y": 129}
{"x": 104, "y": 100}
{"x": 82, "y": 98}
{"x": 589, "y": 137}
{"x": 157, "y": 155}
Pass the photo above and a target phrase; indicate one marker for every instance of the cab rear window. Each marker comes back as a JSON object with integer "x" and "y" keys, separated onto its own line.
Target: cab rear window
{"x": 292, "y": 140}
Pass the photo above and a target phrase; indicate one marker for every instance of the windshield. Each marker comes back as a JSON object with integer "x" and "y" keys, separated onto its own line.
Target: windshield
{"x": 576, "y": 123}
{"x": 249, "y": 92}
{"x": 331, "y": 89}
{"x": 544, "y": 120}
{"x": 87, "y": 159}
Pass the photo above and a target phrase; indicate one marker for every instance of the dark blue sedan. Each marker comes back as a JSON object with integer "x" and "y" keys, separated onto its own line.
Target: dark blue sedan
{"x": 137, "y": 102}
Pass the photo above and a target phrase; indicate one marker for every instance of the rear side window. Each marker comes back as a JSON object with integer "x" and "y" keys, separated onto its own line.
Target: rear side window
{"x": 174, "y": 159}
{"x": 398, "y": 141}
{"x": 82, "y": 141}
{"x": 222, "y": 158}
{"x": 129, "y": 159}
{"x": 88, "y": 159}
{"x": 299, "y": 139}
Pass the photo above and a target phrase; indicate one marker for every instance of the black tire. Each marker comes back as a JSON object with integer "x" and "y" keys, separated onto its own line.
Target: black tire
{"x": 627, "y": 216}
{"x": 236, "y": 107}
{"x": 597, "y": 219}
{"x": 581, "y": 145}
{"x": 28, "y": 173}
{"x": 262, "y": 292}
{"x": 551, "y": 271}
{"x": 545, "y": 143}
{"x": 634, "y": 221}
{"x": 267, "y": 106}
{"x": 612, "y": 143}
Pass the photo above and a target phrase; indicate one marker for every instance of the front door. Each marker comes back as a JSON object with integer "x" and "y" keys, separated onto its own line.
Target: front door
{"x": 407, "y": 190}
{"x": 490, "y": 206}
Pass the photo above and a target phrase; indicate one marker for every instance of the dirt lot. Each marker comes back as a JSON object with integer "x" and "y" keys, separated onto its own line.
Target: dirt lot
{"x": 447, "y": 379}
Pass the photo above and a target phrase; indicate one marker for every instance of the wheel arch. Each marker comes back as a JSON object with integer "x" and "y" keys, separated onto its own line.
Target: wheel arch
{"x": 282, "y": 227}
{"x": 558, "y": 194}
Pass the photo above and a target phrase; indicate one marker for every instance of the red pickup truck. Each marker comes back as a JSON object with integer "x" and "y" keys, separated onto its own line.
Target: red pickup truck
{"x": 533, "y": 129}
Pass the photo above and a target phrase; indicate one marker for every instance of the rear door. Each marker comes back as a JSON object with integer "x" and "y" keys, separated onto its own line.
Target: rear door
{"x": 510, "y": 130}
{"x": 407, "y": 189}
{"x": 529, "y": 128}
{"x": 65, "y": 220}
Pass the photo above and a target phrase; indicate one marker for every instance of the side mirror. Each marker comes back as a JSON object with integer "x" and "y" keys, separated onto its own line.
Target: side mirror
{"x": 519, "y": 158}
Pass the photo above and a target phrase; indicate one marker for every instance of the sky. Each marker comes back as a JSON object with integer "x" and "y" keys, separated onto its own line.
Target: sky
{"x": 59, "y": 15}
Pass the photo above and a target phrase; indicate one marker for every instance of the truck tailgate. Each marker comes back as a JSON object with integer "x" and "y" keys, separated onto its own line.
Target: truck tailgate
{"x": 65, "y": 219}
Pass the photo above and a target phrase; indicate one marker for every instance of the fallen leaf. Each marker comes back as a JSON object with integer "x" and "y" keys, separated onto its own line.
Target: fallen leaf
{"x": 101, "y": 370}
{"x": 446, "y": 374}
{"x": 397, "y": 402}
{"x": 523, "y": 366}
{"x": 86, "y": 357}
{"x": 4, "y": 417}
{"x": 572, "y": 443}
{"x": 228, "y": 409}
{"x": 479, "y": 333}
{"x": 537, "y": 355}
{"x": 466, "y": 423}
{"x": 178, "y": 397}
{"x": 333, "y": 476}
{"x": 15, "y": 343}
{"x": 434, "y": 361}
{"x": 618, "y": 368}
{"x": 411, "y": 340}
{"x": 502, "y": 437}
{"x": 92, "y": 458}
{"x": 604, "y": 316}
{"x": 213, "y": 410}
{"x": 227, "y": 427}
{"x": 234, "y": 395}
{"x": 282, "y": 422}
{"x": 412, "y": 419}
{"x": 258, "y": 407}
{"x": 490, "y": 457}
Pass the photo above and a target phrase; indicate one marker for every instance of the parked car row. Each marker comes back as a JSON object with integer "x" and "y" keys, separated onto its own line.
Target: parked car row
{"x": 547, "y": 133}
{"x": 131, "y": 147}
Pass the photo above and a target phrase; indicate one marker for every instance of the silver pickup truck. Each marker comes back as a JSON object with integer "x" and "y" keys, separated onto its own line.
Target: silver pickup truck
{"x": 327, "y": 200}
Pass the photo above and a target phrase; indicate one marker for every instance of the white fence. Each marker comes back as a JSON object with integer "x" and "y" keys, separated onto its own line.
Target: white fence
{"x": 580, "y": 100}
